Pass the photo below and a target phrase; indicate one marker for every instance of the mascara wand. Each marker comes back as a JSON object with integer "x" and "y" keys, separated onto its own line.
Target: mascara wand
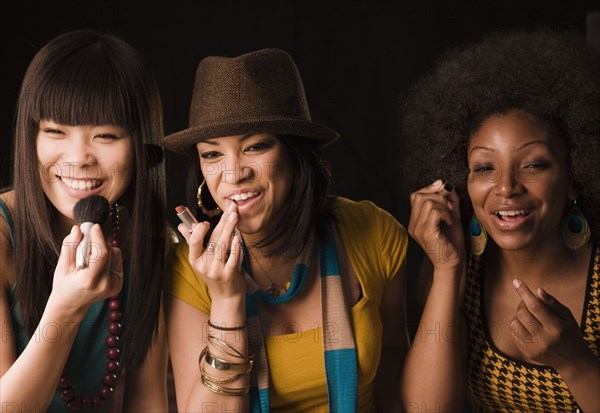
{"x": 87, "y": 212}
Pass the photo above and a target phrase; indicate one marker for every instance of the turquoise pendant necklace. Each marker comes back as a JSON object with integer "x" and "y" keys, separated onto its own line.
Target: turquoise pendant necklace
{"x": 273, "y": 293}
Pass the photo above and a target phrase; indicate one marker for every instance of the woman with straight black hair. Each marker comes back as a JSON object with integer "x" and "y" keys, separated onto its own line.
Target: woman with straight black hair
{"x": 89, "y": 120}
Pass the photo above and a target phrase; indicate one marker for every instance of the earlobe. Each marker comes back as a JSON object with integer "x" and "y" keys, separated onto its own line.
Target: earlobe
{"x": 573, "y": 190}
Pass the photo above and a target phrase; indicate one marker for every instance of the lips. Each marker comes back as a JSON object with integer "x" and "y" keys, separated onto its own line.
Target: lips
{"x": 512, "y": 214}
{"x": 511, "y": 218}
{"x": 242, "y": 196}
{"x": 81, "y": 184}
{"x": 246, "y": 199}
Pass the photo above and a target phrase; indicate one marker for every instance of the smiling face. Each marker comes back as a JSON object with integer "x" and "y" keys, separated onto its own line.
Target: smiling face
{"x": 250, "y": 171}
{"x": 79, "y": 161}
{"x": 519, "y": 180}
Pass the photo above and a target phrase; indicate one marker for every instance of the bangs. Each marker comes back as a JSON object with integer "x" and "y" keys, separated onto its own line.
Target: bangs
{"x": 85, "y": 88}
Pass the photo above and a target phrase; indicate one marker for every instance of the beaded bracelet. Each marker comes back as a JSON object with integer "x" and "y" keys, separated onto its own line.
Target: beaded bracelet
{"x": 216, "y": 327}
{"x": 223, "y": 365}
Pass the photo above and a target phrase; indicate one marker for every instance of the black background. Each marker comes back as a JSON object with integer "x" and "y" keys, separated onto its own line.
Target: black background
{"x": 356, "y": 58}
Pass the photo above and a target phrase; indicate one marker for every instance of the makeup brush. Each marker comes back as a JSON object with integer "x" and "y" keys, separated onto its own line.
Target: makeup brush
{"x": 87, "y": 212}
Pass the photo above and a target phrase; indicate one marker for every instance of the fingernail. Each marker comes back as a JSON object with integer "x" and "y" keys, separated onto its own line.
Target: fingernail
{"x": 516, "y": 283}
{"x": 231, "y": 208}
{"x": 232, "y": 217}
{"x": 449, "y": 187}
{"x": 73, "y": 229}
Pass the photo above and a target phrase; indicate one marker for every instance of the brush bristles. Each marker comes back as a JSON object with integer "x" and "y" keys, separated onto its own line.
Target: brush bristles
{"x": 93, "y": 209}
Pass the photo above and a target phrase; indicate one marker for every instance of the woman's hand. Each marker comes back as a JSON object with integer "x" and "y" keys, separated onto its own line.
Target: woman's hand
{"x": 436, "y": 226}
{"x": 544, "y": 330}
{"x": 77, "y": 290}
{"x": 220, "y": 263}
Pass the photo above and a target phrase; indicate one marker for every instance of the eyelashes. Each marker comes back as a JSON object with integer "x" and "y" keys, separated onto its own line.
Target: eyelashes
{"x": 108, "y": 136}
{"x": 60, "y": 133}
{"x": 486, "y": 167}
{"x": 210, "y": 155}
{"x": 483, "y": 168}
{"x": 255, "y": 147}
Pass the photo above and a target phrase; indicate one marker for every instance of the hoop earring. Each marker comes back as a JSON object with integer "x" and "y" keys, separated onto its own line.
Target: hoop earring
{"x": 575, "y": 231}
{"x": 205, "y": 211}
{"x": 478, "y": 237}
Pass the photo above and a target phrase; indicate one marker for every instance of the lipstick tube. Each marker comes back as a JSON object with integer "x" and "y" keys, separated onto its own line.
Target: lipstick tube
{"x": 186, "y": 217}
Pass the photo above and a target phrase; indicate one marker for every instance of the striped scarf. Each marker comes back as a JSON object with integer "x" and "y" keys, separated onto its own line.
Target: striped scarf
{"x": 339, "y": 353}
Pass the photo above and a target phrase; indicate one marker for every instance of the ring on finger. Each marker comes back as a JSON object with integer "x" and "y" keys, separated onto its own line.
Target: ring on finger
{"x": 211, "y": 247}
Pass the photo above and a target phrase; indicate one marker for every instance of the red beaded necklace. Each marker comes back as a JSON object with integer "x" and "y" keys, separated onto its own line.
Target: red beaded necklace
{"x": 109, "y": 379}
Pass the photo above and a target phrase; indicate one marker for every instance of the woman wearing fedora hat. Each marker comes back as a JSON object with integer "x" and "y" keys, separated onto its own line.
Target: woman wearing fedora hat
{"x": 283, "y": 298}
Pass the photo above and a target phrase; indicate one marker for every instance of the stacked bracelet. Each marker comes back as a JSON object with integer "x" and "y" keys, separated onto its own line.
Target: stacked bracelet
{"x": 228, "y": 391}
{"x": 213, "y": 340}
{"x": 219, "y": 380}
{"x": 224, "y": 365}
{"x": 214, "y": 383}
{"x": 216, "y": 327}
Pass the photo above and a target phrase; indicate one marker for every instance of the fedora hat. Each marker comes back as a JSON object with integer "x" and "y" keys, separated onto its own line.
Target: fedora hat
{"x": 257, "y": 92}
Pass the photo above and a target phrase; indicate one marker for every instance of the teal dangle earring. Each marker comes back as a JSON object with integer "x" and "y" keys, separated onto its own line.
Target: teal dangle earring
{"x": 478, "y": 237}
{"x": 575, "y": 230}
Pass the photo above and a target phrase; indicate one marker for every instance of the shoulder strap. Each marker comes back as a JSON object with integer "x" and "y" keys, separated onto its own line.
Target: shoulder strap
{"x": 6, "y": 214}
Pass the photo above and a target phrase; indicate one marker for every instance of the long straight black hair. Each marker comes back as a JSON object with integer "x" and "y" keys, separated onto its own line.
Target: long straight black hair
{"x": 85, "y": 77}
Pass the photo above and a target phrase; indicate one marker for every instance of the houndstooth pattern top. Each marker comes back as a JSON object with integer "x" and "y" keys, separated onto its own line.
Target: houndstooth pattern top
{"x": 499, "y": 383}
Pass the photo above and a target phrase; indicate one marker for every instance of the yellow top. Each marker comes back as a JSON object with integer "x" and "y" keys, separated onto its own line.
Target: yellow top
{"x": 376, "y": 246}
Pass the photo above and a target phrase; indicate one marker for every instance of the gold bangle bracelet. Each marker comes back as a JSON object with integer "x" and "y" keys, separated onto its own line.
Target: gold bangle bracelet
{"x": 238, "y": 354}
{"x": 219, "y": 380}
{"x": 228, "y": 391}
{"x": 223, "y": 365}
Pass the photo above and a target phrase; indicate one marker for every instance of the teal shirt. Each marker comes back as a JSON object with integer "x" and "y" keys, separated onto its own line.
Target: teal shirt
{"x": 86, "y": 364}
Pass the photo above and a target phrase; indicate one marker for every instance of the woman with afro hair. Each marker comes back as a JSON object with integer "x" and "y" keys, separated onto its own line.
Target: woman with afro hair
{"x": 504, "y": 144}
